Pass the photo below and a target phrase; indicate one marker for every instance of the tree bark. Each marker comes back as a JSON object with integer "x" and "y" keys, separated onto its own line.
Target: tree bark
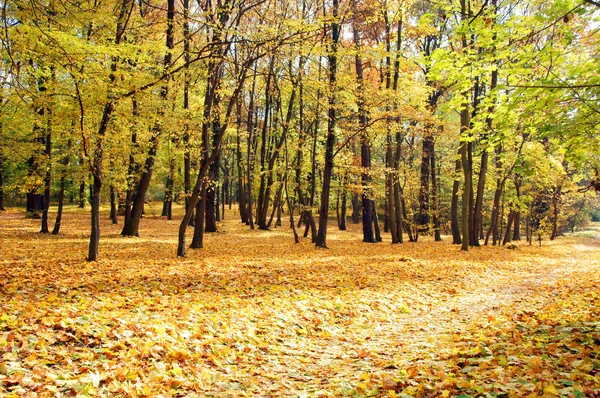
{"x": 467, "y": 173}
{"x": 1, "y": 178}
{"x": 113, "y": 205}
{"x": 331, "y": 121}
{"x": 434, "y": 198}
{"x": 454, "y": 221}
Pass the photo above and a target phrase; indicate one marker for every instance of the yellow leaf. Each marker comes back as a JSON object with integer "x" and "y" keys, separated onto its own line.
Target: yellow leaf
{"x": 551, "y": 391}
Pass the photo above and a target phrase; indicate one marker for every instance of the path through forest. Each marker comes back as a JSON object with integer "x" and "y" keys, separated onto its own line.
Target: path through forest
{"x": 253, "y": 314}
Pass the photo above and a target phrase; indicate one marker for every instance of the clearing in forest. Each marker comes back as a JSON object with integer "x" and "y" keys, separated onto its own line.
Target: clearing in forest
{"x": 253, "y": 314}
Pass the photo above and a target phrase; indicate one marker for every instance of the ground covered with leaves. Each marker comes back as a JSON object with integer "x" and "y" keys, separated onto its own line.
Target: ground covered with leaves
{"x": 253, "y": 314}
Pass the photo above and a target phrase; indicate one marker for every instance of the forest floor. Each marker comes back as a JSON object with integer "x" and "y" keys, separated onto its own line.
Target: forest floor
{"x": 253, "y": 314}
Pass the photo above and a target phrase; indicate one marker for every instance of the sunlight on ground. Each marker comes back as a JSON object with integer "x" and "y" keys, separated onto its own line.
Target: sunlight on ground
{"x": 255, "y": 314}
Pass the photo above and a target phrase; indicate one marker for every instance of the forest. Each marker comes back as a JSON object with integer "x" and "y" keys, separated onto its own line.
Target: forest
{"x": 473, "y": 119}
{"x": 237, "y": 170}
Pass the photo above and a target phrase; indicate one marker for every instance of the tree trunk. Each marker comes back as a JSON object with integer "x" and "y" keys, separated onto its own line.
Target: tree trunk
{"x": 467, "y": 173}
{"x": 48, "y": 175}
{"x": 1, "y": 179}
{"x": 82, "y": 193}
{"x": 168, "y": 199}
{"x": 426, "y": 155}
{"x": 61, "y": 199}
{"x": 331, "y": 121}
{"x": 555, "y": 211}
{"x": 113, "y": 205}
{"x": 375, "y": 222}
{"x": 198, "y": 239}
{"x": 131, "y": 226}
{"x": 249, "y": 154}
{"x": 187, "y": 161}
{"x": 517, "y": 220}
{"x": 434, "y": 197}
{"x": 511, "y": 217}
{"x": 454, "y": 222}
{"x": 61, "y": 194}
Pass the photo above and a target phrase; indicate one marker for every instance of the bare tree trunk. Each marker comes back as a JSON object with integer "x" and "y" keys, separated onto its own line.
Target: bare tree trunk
{"x": 1, "y": 177}
{"x": 454, "y": 222}
{"x": 113, "y": 205}
{"x": 365, "y": 148}
{"x": 434, "y": 198}
{"x": 331, "y": 121}
{"x": 61, "y": 199}
{"x": 466, "y": 167}
{"x": 511, "y": 218}
{"x": 198, "y": 239}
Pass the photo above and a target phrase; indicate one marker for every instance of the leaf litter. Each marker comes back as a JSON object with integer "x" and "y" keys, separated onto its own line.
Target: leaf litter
{"x": 253, "y": 314}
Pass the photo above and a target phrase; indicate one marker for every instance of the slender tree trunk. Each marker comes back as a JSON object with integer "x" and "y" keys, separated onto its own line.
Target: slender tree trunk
{"x": 240, "y": 168}
{"x": 61, "y": 199}
{"x": 168, "y": 199}
{"x": 331, "y": 121}
{"x": 454, "y": 222}
{"x": 48, "y": 175}
{"x": 82, "y": 193}
{"x": 1, "y": 178}
{"x": 511, "y": 218}
{"x": 434, "y": 198}
{"x": 375, "y": 222}
{"x": 113, "y": 205}
{"x": 466, "y": 167}
{"x": 423, "y": 218}
{"x": 250, "y": 156}
{"x": 98, "y": 153}
{"x": 517, "y": 220}
{"x": 555, "y": 211}
{"x": 198, "y": 239}
{"x": 365, "y": 148}
{"x": 187, "y": 161}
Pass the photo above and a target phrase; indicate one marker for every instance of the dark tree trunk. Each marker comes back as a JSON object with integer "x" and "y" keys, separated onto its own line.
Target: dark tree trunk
{"x": 132, "y": 169}
{"x": 48, "y": 176}
{"x": 213, "y": 74}
{"x": 343, "y": 206}
{"x": 198, "y": 239}
{"x": 467, "y": 173}
{"x": 472, "y": 232}
{"x": 240, "y": 168}
{"x": 61, "y": 193}
{"x": 98, "y": 154}
{"x": 187, "y": 161}
{"x": 434, "y": 198}
{"x": 355, "y": 209}
{"x": 113, "y": 205}
{"x": 61, "y": 199}
{"x": 82, "y": 194}
{"x": 250, "y": 155}
{"x": 168, "y": 199}
{"x": 555, "y": 211}
{"x": 331, "y": 120}
{"x": 1, "y": 179}
{"x": 517, "y": 221}
{"x": 511, "y": 217}
{"x": 454, "y": 221}
{"x": 365, "y": 148}
{"x": 426, "y": 155}
{"x": 376, "y": 222}
{"x": 212, "y": 195}
{"x": 131, "y": 227}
